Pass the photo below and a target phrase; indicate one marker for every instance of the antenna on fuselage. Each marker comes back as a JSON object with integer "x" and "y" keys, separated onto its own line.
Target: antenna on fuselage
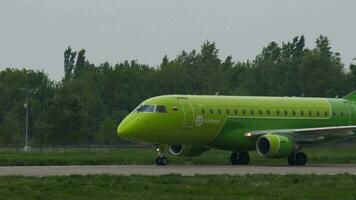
{"x": 217, "y": 93}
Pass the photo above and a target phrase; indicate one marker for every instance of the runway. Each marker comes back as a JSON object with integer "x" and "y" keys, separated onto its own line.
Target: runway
{"x": 186, "y": 170}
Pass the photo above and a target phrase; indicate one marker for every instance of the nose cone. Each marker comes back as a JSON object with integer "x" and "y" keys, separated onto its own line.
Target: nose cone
{"x": 123, "y": 130}
{"x": 129, "y": 129}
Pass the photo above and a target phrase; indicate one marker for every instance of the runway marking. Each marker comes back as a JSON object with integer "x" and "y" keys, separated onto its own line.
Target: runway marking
{"x": 186, "y": 170}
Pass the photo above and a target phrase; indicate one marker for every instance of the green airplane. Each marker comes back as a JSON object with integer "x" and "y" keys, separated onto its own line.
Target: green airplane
{"x": 275, "y": 127}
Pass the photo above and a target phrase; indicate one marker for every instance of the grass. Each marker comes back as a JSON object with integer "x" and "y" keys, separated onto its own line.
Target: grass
{"x": 324, "y": 154}
{"x": 180, "y": 187}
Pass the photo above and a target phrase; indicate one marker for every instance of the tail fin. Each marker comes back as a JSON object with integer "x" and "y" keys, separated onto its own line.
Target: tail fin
{"x": 351, "y": 96}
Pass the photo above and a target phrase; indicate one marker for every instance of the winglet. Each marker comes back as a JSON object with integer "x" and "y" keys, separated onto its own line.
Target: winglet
{"x": 351, "y": 96}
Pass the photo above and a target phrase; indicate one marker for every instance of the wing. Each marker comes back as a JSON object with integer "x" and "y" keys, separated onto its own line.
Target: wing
{"x": 310, "y": 135}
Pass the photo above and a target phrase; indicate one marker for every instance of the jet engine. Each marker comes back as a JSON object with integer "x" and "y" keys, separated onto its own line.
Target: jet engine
{"x": 275, "y": 146}
{"x": 187, "y": 150}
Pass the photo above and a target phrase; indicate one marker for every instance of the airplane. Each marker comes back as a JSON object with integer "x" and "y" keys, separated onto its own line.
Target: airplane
{"x": 275, "y": 127}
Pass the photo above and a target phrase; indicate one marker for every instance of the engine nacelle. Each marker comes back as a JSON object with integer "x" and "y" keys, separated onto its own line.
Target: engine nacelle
{"x": 187, "y": 150}
{"x": 275, "y": 146}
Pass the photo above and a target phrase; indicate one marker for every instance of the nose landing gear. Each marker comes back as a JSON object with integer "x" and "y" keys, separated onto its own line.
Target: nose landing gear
{"x": 161, "y": 160}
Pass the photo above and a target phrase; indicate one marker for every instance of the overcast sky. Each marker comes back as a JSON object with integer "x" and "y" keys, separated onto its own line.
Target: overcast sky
{"x": 34, "y": 33}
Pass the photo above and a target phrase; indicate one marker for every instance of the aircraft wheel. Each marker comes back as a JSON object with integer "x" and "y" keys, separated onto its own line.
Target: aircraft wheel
{"x": 234, "y": 158}
{"x": 245, "y": 157}
{"x": 240, "y": 158}
{"x": 301, "y": 158}
{"x": 298, "y": 158}
{"x": 161, "y": 161}
{"x": 291, "y": 160}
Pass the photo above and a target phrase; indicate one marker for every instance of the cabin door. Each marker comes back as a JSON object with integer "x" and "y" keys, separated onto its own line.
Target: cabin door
{"x": 352, "y": 110}
{"x": 188, "y": 113}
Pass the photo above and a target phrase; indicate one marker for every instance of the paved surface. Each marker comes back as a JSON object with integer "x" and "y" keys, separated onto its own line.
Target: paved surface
{"x": 176, "y": 169}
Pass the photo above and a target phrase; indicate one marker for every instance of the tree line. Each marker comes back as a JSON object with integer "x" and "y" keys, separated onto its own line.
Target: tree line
{"x": 86, "y": 106}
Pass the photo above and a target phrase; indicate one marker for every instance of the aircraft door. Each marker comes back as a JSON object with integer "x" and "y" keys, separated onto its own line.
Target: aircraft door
{"x": 188, "y": 112}
{"x": 352, "y": 111}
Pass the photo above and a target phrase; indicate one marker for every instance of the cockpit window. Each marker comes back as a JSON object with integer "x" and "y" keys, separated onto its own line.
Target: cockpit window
{"x": 137, "y": 108}
{"x": 146, "y": 108}
{"x": 161, "y": 109}
{"x": 151, "y": 108}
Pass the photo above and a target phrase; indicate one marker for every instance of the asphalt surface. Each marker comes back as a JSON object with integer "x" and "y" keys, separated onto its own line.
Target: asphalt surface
{"x": 186, "y": 170}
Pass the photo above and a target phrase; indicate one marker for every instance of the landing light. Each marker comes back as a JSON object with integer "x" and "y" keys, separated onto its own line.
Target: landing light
{"x": 157, "y": 148}
{"x": 249, "y": 134}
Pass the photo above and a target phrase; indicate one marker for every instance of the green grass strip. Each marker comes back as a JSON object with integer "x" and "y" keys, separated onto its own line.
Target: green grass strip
{"x": 180, "y": 187}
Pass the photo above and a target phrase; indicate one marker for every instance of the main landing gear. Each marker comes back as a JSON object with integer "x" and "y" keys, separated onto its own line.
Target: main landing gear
{"x": 298, "y": 158}
{"x": 161, "y": 160}
{"x": 239, "y": 158}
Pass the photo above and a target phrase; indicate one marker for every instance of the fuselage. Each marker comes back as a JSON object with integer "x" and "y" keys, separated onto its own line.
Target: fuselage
{"x": 222, "y": 121}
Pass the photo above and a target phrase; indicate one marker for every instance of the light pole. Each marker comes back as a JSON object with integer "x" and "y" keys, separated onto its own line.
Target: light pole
{"x": 27, "y": 91}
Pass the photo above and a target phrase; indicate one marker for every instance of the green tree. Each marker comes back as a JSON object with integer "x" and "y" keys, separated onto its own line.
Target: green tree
{"x": 322, "y": 71}
{"x": 11, "y": 131}
{"x": 80, "y": 64}
{"x": 69, "y": 57}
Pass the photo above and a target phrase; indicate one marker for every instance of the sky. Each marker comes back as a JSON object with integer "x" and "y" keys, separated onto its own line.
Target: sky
{"x": 35, "y": 33}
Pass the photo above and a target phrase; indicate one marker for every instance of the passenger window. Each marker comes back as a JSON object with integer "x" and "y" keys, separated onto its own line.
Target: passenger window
{"x": 342, "y": 113}
{"x": 268, "y": 113}
{"x": 260, "y": 112}
{"x": 211, "y": 111}
{"x": 334, "y": 113}
{"x": 146, "y": 108}
{"x": 286, "y": 113}
{"x": 293, "y": 113}
{"x": 235, "y": 111}
{"x": 203, "y": 111}
{"x": 161, "y": 109}
{"x": 227, "y": 111}
{"x": 277, "y": 112}
{"x": 326, "y": 113}
{"x": 310, "y": 113}
{"x": 318, "y": 113}
{"x": 302, "y": 113}
{"x": 219, "y": 111}
{"x": 251, "y": 111}
{"x": 243, "y": 111}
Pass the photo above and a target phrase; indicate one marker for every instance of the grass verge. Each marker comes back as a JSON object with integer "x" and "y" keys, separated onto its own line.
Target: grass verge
{"x": 179, "y": 187}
